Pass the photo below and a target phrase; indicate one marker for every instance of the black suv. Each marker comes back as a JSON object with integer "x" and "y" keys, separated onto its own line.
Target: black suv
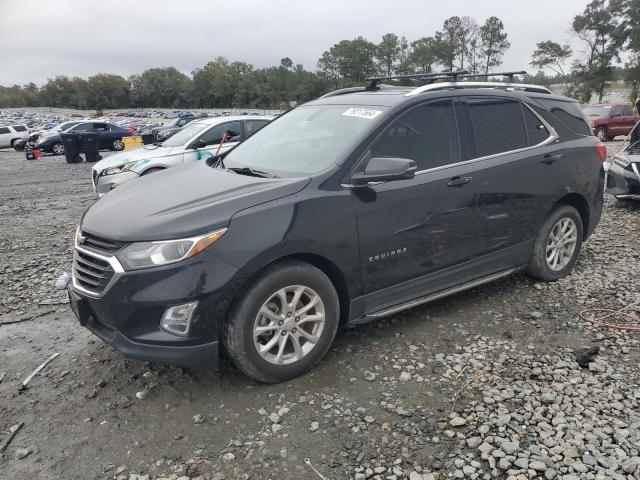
{"x": 352, "y": 207}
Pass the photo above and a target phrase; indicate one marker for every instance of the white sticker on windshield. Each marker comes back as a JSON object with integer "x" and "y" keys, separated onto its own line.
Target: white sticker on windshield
{"x": 362, "y": 112}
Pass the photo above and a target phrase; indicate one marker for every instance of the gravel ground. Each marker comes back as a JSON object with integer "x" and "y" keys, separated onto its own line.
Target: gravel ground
{"x": 484, "y": 384}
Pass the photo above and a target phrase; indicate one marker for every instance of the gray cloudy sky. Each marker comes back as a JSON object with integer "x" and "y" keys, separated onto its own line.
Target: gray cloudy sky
{"x": 84, "y": 37}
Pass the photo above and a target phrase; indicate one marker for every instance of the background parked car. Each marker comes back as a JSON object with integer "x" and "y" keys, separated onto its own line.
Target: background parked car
{"x": 609, "y": 121}
{"x": 109, "y": 137}
{"x": 172, "y": 127}
{"x": 11, "y": 134}
{"x": 197, "y": 141}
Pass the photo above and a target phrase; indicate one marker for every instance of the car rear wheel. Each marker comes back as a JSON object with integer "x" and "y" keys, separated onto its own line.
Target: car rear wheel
{"x": 284, "y": 323}
{"x": 557, "y": 245}
{"x": 57, "y": 148}
{"x": 602, "y": 134}
{"x": 117, "y": 144}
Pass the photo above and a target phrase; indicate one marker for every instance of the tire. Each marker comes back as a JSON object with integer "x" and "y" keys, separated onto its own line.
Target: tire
{"x": 117, "y": 145}
{"x": 541, "y": 266}
{"x": 57, "y": 148}
{"x": 601, "y": 133}
{"x": 279, "y": 364}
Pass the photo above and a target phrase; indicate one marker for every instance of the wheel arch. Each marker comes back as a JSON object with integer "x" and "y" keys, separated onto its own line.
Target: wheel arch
{"x": 325, "y": 265}
{"x": 578, "y": 202}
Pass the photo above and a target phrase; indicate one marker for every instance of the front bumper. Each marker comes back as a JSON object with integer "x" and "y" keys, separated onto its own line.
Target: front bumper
{"x": 127, "y": 314}
{"x": 103, "y": 184}
{"x": 624, "y": 182}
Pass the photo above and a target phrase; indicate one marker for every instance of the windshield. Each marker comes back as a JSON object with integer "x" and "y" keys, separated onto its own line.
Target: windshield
{"x": 306, "y": 140}
{"x": 182, "y": 136}
{"x": 597, "y": 110}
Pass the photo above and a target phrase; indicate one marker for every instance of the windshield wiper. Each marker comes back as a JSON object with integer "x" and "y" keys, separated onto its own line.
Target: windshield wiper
{"x": 251, "y": 172}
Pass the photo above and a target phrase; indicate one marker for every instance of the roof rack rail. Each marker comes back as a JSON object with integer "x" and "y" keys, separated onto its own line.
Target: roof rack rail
{"x": 508, "y": 75}
{"x": 374, "y": 82}
{"x": 495, "y": 85}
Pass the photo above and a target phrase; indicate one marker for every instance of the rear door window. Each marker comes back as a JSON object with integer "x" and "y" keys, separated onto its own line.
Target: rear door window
{"x": 498, "y": 125}
{"x": 20, "y": 128}
{"x": 252, "y": 126}
{"x": 536, "y": 131}
{"x": 627, "y": 111}
{"x": 568, "y": 113}
{"x": 427, "y": 134}
{"x": 616, "y": 111}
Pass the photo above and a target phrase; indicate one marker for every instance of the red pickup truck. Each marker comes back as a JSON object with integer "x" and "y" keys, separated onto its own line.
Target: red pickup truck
{"x": 609, "y": 121}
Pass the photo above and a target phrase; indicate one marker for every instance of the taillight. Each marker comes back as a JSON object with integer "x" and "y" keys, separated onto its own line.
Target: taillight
{"x": 601, "y": 150}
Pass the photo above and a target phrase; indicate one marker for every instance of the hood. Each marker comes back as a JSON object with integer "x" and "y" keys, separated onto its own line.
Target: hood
{"x": 181, "y": 202}
{"x": 143, "y": 153}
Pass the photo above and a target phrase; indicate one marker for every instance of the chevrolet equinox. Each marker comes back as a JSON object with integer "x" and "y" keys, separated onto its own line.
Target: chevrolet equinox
{"x": 349, "y": 208}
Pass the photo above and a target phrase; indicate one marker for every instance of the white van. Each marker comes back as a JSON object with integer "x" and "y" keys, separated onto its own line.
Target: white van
{"x": 11, "y": 133}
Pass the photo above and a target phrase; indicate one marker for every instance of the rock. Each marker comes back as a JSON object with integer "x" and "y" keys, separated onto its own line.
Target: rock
{"x": 228, "y": 457}
{"x": 404, "y": 377}
{"x": 538, "y": 466}
{"x": 457, "y": 422}
{"x": 314, "y": 426}
{"x": 21, "y": 453}
{"x": 274, "y": 417}
{"x": 199, "y": 418}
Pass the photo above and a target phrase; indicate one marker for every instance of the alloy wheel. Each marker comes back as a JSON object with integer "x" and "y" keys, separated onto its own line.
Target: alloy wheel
{"x": 289, "y": 325}
{"x": 118, "y": 145}
{"x": 58, "y": 148}
{"x": 561, "y": 244}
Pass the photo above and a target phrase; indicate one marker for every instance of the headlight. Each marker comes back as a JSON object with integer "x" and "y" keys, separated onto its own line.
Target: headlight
{"x": 125, "y": 167}
{"x": 151, "y": 254}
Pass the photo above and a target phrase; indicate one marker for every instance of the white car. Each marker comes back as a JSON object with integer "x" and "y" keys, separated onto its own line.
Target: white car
{"x": 198, "y": 140}
{"x": 11, "y": 133}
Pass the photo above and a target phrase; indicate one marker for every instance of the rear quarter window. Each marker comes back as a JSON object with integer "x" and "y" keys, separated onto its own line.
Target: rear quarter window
{"x": 20, "y": 128}
{"x": 3, "y": 130}
{"x": 568, "y": 113}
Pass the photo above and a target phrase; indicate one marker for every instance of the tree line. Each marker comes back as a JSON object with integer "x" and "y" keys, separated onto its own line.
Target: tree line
{"x": 609, "y": 30}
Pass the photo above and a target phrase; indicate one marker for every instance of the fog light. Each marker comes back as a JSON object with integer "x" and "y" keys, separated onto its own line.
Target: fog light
{"x": 177, "y": 319}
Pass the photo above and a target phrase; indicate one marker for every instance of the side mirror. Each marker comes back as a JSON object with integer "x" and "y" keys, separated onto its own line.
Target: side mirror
{"x": 385, "y": 169}
{"x": 199, "y": 143}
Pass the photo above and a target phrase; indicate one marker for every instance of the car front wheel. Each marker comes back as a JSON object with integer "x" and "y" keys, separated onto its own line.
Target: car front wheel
{"x": 57, "y": 148}
{"x": 557, "y": 245}
{"x": 602, "y": 134}
{"x": 117, "y": 144}
{"x": 284, "y": 323}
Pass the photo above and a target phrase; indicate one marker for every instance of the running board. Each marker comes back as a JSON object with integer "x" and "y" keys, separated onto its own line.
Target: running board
{"x": 442, "y": 293}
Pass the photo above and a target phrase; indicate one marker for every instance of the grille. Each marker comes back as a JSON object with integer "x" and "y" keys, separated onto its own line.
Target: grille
{"x": 91, "y": 273}
{"x": 101, "y": 245}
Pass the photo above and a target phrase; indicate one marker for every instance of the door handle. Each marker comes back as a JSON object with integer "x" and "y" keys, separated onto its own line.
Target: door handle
{"x": 459, "y": 181}
{"x": 549, "y": 158}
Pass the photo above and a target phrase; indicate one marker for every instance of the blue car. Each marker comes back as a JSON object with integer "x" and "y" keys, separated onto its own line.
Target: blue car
{"x": 109, "y": 137}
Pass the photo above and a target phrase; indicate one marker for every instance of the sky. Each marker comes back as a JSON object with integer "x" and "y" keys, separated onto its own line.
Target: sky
{"x": 40, "y": 39}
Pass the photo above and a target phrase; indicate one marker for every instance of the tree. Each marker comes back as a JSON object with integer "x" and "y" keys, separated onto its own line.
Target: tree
{"x": 353, "y": 59}
{"x": 160, "y": 87}
{"x": 552, "y": 55}
{"x": 599, "y": 28}
{"x": 630, "y": 25}
{"x": 448, "y": 42}
{"x": 107, "y": 91}
{"x": 493, "y": 43}
{"x": 468, "y": 33}
{"x": 388, "y": 53}
{"x": 423, "y": 56}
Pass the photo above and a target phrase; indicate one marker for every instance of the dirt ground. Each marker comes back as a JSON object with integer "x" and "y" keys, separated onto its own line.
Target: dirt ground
{"x": 91, "y": 414}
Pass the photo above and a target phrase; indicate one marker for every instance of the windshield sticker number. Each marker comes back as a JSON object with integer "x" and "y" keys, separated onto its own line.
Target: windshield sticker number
{"x": 362, "y": 113}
